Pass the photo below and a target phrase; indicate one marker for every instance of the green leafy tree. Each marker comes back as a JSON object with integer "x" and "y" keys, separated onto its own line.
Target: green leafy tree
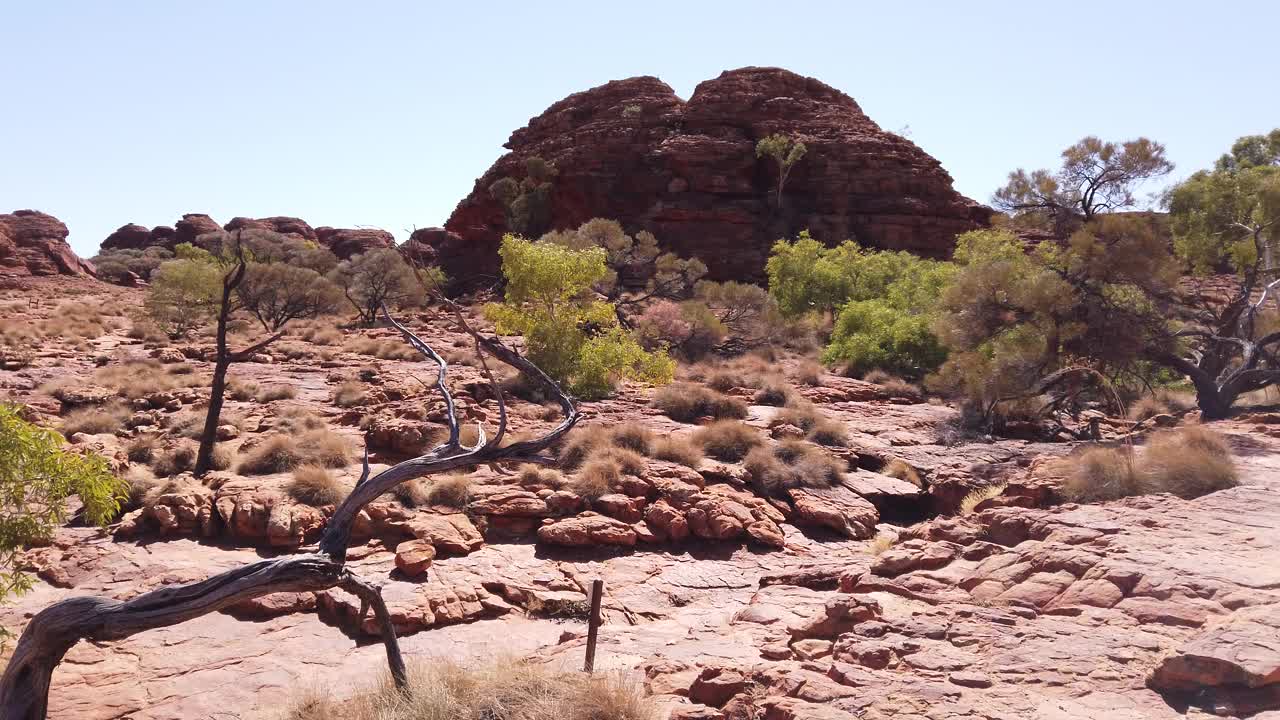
{"x": 1228, "y": 219}
{"x": 884, "y": 301}
{"x": 1095, "y": 177}
{"x": 1252, "y": 151}
{"x": 37, "y": 475}
{"x": 574, "y": 337}
{"x": 1107, "y": 300}
{"x": 378, "y": 277}
{"x": 638, "y": 272}
{"x": 785, "y": 152}
{"x": 526, "y": 202}
{"x": 116, "y": 265}
{"x": 893, "y": 332}
{"x": 745, "y": 310}
{"x": 255, "y": 273}
{"x": 184, "y": 292}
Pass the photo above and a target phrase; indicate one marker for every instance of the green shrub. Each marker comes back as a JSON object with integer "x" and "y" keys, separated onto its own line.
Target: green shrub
{"x": 37, "y": 476}
{"x": 872, "y": 334}
{"x": 574, "y": 339}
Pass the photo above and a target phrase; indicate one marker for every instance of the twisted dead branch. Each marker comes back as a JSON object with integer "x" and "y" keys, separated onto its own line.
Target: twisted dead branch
{"x": 24, "y": 689}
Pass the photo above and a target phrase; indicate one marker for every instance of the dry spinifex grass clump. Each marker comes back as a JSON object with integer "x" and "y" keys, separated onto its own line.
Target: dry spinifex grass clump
{"x": 314, "y": 485}
{"x": 1189, "y": 462}
{"x": 727, "y": 440}
{"x": 282, "y": 453}
{"x": 792, "y": 464}
{"x": 686, "y": 402}
{"x": 500, "y": 690}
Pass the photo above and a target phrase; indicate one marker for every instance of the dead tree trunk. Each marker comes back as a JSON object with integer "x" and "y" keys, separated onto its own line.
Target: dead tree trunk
{"x": 24, "y": 689}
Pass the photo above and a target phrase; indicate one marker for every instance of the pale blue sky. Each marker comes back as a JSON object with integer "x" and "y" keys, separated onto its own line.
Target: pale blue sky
{"x": 384, "y": 113}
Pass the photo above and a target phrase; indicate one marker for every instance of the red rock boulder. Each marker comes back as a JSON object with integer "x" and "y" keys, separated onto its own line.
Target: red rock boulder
{"x": 345, "y": 242}
{"x": 633, "y": 151}
{"x": 34, "y": 243}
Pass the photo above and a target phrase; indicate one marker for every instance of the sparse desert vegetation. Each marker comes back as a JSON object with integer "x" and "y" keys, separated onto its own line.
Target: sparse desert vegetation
{"x": 796, "y": 401}
{"x": 503, "y": 688}
{"x": 1188, "y": 462}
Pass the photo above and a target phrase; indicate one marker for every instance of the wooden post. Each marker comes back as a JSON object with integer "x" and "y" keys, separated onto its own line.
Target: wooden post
{"x": 593, "y": 625}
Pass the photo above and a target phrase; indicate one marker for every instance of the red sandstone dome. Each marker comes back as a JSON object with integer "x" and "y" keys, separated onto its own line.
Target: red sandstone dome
{"x": 687, "y": 171}
{"x": 34, "y": 243}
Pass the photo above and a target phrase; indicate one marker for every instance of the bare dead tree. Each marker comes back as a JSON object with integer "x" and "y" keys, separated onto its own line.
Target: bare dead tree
{"x": 24, "y": 689}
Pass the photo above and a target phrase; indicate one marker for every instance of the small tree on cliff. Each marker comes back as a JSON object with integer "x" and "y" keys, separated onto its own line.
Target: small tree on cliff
{"x": 571, "y": 335}
{"x": 785, "y": 152}
{"x": 36, "y": 477}
{"x": 250, "y": 274}
{"x": 526, "y": 203}
{"x": 1095, "y": 177}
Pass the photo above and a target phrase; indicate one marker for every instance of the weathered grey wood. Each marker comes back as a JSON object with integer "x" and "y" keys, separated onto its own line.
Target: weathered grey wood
{"x": 593, "y": 625}
{"x": 24, "y": 688}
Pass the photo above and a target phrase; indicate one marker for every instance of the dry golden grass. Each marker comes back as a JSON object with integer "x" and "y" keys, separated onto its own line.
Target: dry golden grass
{"x": 315, "y": 486}
{"x": 530, "y": 474}
{"x": 800, "y": 413}
{"x": 630, "y": 436}
{"x": 281, "y": 453}
{"x": 810, "y": 372}
{"x": 629, "y": 462}
{"x": 596, "y": 478}
{"x": 791, "y": 464}
{"x": 411, "y": 493}
{"x": 95, "y": 420}
{"x": 1101, "y": 473}
{"x": 179, "y": 459}
{"x": 677, "y": 450}
{"x": 902, "y": 470}
{"x": 773, "y": 391}
{"x": 975, "y": 498}
{"x": 242, "y": 390}
{"x": 829, "y": 433}
{"x": 453, "y": 490}
{"x": 141, "y": 449}
{"x": 297, "y": 419}
{"x": 270, "y": 393}
{"x": 502, "y": 689}
{"x": 140, "y": 378}
{"x": 350, "y": 394}
{"x": 727, "y": 440}
{"x": 685, "y": 402}
{"x": 320, "y": 332}
{"x": 1188, "y": 462}
{"x": 881, "y": 542}
{"x": 1177, "y": 401}
{"x": 381, "y": 349}
{"x": 1147, "y": 407}
{"x": 581, "y": 444}
{"x": 1196, "y": 437}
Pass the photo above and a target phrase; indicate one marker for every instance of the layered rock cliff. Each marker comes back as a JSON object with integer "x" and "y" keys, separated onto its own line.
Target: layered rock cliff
{"x": 688, "y": 172}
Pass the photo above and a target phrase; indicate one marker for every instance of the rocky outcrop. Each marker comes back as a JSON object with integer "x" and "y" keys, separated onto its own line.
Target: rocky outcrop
{"x": 283, "y": 225}
{"x": 345, "y": 242}
{"x": 191, "y": 226}
{"x": 34, "y": 243}
{"x": 128, "y": 237}
{"x": 687, "y": 171}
